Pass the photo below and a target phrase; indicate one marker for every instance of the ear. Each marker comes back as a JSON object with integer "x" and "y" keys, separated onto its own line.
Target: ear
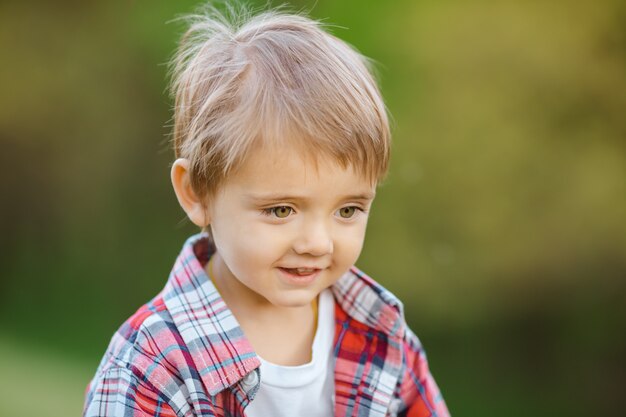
{"x": 187, "y": 198}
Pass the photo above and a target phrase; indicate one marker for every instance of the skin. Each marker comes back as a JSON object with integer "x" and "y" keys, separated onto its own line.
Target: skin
{"x": 278, "y": 212}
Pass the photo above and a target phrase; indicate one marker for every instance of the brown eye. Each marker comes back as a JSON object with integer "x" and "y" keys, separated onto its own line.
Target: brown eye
{"x": 282, "y": 211}
{"x": 347, "y": 212}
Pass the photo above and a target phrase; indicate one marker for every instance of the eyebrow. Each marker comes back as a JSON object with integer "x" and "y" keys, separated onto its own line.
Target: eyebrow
{"x": 285, "y": 197}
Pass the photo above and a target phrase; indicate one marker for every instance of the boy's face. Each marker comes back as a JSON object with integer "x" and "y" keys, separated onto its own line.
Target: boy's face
{"x": 286, "y": 228}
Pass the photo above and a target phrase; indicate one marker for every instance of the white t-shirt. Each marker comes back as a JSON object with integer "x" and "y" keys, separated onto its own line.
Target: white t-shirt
{"x": 304, "y": 390}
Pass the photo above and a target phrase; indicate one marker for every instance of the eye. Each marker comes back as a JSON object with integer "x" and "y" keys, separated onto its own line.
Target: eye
{"x": 281, "y": 211}
{"x": 348, "y": 212}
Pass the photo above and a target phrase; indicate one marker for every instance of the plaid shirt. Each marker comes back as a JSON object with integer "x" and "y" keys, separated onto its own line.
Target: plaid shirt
{"x": 184, "y": 354}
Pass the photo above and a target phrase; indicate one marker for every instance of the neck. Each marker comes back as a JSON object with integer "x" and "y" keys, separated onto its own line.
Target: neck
{"x": 281, "y": 335}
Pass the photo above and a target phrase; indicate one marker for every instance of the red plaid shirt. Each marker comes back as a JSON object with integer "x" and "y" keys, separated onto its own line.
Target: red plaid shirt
{"x": 184, "y": 354}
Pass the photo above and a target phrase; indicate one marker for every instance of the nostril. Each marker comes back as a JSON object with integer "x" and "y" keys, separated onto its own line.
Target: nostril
{"x": 314, "y": 241}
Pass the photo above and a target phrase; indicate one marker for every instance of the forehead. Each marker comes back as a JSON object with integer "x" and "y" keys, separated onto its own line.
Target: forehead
{"x": 288, "y": 169}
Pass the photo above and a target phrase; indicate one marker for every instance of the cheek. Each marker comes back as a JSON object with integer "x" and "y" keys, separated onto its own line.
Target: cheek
{"x": 249, "y": 244}
{"x": 350, "y": 245}
{"x": 266, "y": 240}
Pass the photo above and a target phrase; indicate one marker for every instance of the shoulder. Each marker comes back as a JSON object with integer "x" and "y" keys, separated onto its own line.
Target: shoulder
{"x": 140, "y": 371}
{"x": 418, "y": 394}
{"x": 143, "y": 336}
{"x": 362, "y": 300}
{"x": 144, "y": 359}
{"x": 367, "y": 301}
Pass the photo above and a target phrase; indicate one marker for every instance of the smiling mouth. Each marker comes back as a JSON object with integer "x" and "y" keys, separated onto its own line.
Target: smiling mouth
{"x": 303, "y": 272}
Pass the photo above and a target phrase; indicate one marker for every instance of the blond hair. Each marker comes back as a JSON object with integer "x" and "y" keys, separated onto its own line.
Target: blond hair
{"x": 242, "y": 80}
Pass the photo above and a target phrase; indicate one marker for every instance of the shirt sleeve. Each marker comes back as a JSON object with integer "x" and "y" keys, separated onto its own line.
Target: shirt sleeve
{"x": 419, "y": 395}
{"x": 118, "y": 393}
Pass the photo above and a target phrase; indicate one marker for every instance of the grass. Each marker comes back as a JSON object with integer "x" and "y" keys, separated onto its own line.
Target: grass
{"x": 36, "y": 382}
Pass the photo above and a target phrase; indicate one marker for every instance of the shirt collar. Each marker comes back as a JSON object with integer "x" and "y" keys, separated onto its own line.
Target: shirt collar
{"x": 213, "y": 337}
{"x": 210, "y": 332}
{"x": 369, "y": 303}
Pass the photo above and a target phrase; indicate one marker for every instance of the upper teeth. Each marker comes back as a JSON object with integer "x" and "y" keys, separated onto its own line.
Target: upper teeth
{"x": 305, "y": 269}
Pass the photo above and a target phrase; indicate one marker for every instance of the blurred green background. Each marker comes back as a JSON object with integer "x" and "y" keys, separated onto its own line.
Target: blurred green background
{"x": 502, "y": 224}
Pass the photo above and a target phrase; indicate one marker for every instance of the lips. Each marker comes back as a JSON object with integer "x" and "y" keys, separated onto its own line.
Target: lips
{"x": 300, "y": 271}
{"x": 299, "y": 276}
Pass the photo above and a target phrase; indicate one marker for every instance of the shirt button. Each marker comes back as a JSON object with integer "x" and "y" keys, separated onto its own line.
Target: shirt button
{"x": 394, "y": 406}
{"x": 250, "y": 380}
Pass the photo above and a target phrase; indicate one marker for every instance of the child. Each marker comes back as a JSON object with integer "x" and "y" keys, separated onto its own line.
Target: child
{"x": 281, "y": 137}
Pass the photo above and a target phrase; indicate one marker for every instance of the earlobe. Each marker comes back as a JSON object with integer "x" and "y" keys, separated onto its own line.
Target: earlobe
{"x": 187, "y": 198}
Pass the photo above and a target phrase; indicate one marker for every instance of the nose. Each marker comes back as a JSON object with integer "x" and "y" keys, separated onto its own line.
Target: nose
{"x": 314, "y": 238}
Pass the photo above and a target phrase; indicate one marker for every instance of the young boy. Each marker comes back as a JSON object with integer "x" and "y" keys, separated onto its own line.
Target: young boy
{"x": 281, "y": 137}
